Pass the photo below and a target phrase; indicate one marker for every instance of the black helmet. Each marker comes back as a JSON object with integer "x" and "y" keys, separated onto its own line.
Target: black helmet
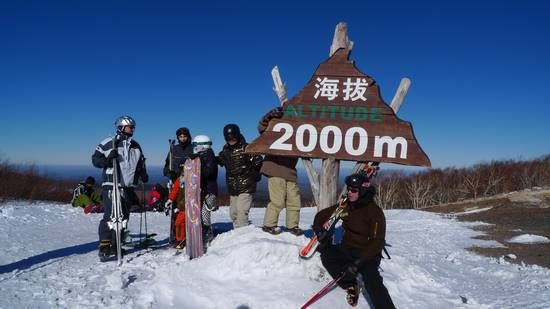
{"x": 355, "y": 180}
{"x": 231, "y": 131}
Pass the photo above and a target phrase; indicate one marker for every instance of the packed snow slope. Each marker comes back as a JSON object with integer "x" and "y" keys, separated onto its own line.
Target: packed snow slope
{"x": 49, "y": 259}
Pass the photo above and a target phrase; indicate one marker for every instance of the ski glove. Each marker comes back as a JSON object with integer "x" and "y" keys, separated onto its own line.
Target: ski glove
{"x": 193, "y": 156}
{"x": 274, "y": 113}
{"x": 323, "y": 236}
{"x": 112, "y": 155}
{"x": 353, "y": 269}
{"x": 168, "y": 206}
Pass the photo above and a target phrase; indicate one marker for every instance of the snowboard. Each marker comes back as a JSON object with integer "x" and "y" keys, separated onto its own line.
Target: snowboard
{"x": 193, "y": 222}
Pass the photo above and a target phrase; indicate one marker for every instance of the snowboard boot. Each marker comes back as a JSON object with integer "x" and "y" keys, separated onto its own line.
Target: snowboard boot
{"x": 207, "y": 234}
{"x": 296, "y": 231}
{"x": 352, "y": 296}
{"x": 274, "y": 230}
{"x": 179, "y": 245}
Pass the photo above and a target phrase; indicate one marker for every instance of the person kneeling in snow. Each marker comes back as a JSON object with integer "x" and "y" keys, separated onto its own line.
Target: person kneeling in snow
{"x": 85, "y": 196}
{"x": 362, "y": 244}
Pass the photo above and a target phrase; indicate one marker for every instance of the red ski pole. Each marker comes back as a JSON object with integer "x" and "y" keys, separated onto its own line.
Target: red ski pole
{"x": 331, "y": 285}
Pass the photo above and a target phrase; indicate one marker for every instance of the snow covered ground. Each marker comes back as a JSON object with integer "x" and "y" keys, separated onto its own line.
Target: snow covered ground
{"x": 49, "y": 259}
{"x": 529, "y": 239}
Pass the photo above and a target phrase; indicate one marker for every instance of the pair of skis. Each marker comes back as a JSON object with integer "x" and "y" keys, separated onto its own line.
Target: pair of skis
{"x": 117, "y": 216}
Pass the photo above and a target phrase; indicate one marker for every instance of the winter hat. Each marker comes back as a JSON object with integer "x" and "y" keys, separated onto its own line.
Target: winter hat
{"x": 90, "y": 180}
{"x": 184, "y": 131}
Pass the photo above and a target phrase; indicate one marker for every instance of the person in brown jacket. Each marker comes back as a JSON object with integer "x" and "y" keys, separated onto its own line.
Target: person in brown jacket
{"x": 361, "y": 248}
{"x": 282, "y": 182}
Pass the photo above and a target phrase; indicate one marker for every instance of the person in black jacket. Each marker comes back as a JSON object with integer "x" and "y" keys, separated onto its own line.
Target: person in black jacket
{"x": 202, "y": 147}
{"x": 362, "y": 244}
{"x": 130, "y": 169}
{"x": 242, "y": 171}
{"x": 178, "y": 153}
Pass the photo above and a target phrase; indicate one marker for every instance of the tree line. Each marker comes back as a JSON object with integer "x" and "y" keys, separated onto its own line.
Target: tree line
{"x": 438, "y": 186}
{"x": 25, "y": 182}
{"x": 395, "y": 189}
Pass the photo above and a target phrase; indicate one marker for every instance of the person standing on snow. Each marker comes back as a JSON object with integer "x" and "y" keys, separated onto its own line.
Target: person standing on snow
{"x": 282, "y": 185}
{"x": 178, "y": 154}
{"x": 130, "y": 168}
{"x": 362, "y": 244}
{"x": 241, "y": 174}
{"x": 202, "y": 148}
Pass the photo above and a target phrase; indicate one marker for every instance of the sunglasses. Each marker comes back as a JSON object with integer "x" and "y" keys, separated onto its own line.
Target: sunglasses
{"x": 353, "y": 190}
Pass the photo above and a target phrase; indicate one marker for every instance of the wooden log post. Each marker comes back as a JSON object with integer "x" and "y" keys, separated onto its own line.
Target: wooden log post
{"x": 328, "y": 194}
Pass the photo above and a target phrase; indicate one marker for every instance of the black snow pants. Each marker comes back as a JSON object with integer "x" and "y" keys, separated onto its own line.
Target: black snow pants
{"x": 337, "y": 259}
{"x": 129, "y": 198}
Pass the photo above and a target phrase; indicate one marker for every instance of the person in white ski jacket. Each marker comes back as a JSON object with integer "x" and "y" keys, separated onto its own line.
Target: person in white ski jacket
{"x": 130, "y": 167}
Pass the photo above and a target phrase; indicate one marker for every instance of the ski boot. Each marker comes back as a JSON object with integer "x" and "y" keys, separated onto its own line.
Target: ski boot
{"x": 274, "y": 230}
{"x": 296, "y": 231}
{"x": 105, "y": 251}
{"x": 352, "y": 296}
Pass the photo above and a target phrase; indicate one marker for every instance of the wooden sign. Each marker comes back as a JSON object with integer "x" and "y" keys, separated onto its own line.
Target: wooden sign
{"x": 340, "y": 114}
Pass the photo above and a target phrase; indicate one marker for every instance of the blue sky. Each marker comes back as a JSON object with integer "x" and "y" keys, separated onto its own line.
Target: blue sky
{"x": 479, "y": 71}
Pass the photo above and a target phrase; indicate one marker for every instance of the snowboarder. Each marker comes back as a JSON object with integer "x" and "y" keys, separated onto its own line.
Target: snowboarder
{"x": 85, "y": 196}
{"x": 202, "y": 148}
{"x": 242, "y": 173}
{"x": 178, "y": 154}
{"x": 282, "y": 185}
{"x": 130, "y": 168}
{"x": 362, "y": 244}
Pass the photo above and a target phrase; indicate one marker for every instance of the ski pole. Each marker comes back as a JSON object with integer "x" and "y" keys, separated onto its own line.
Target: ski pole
{"x": 141, "y": 215}
{"x": 324, "y": 291}
{"x": 145, "y": 209}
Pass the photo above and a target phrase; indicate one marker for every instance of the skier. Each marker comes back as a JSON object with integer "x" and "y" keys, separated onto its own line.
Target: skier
{"x": 178, "y": 154}
{"x": 130, "y": 169}
{"x": 282, "y": 185}
{"x": 85, "y": 196}
{"x": 362, "y": 244}
{"x": 241, "y": 174}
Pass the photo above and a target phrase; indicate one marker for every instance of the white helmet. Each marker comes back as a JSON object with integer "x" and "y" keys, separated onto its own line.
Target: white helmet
{"x": 201, "y": 143}
{"x": 123, "y": 121}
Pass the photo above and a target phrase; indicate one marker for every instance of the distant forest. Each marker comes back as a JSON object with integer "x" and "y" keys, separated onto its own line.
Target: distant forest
{"x": 438, "y": 186}
{"x": 395, "y": 189}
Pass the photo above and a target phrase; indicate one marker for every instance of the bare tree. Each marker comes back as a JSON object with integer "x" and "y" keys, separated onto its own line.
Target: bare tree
{"x": 493, "y": 181}
{"x": 388, "y": 189}
{"x": 418, "y": 191}
{"x": 471, "y": 183}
